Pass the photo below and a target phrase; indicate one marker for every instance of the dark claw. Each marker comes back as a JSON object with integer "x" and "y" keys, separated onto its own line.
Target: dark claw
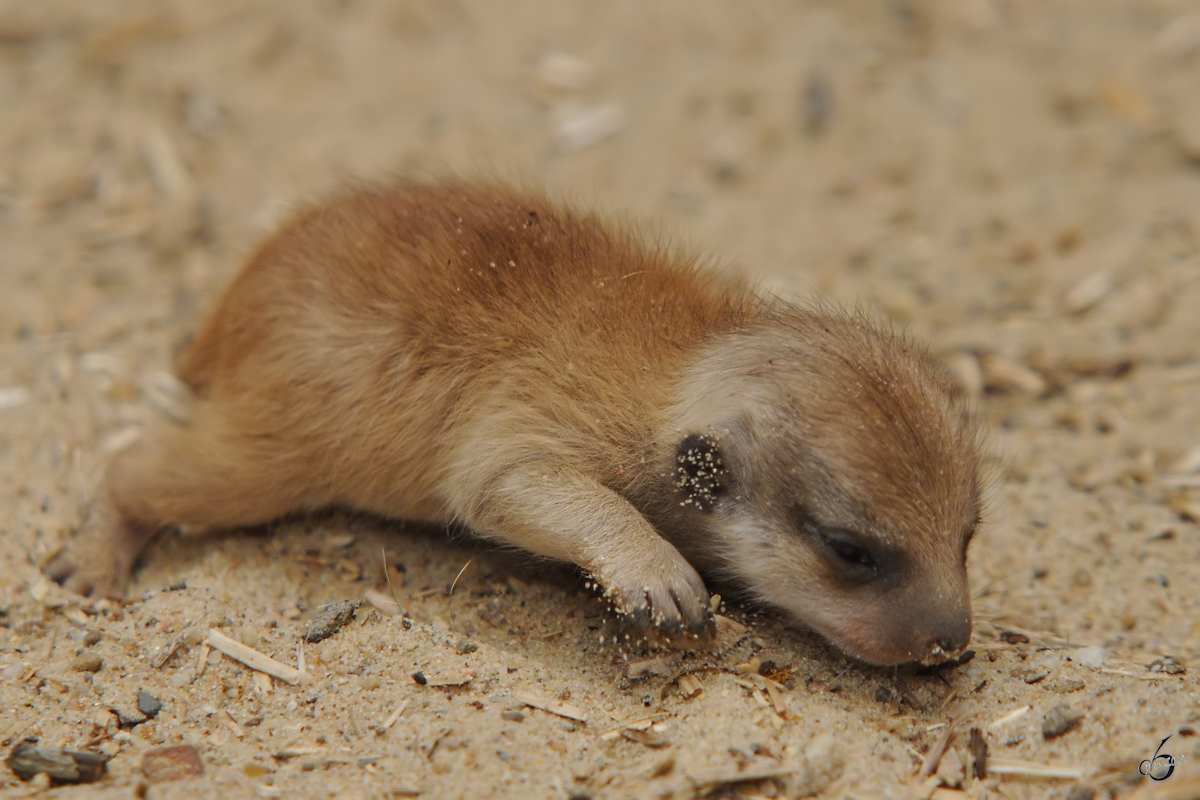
{"x": 672, "y": 626}
{"x": 705, "y": 627}
{"x": 641, "y": 614}
{"x": 697, "y": 620}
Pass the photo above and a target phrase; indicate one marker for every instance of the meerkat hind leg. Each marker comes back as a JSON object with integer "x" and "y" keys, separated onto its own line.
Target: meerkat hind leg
{"x": 572, "y": 518}
{"x": 206, "y": 475}
{"x": 103, "y": 551}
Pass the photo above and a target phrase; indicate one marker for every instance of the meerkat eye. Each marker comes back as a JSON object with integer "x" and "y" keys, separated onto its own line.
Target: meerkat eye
{"x": 844, "y": 550}
{"x": 851, "y": 554}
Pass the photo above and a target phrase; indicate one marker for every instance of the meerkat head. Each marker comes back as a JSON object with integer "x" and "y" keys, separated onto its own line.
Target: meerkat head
{"x": 836, "y": 474}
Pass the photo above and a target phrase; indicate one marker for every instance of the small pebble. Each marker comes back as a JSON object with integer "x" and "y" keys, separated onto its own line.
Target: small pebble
{"x": 201, "y": 113}
{"x": 1168, "y": 665}
{"x": 88, "y": 662}
{"x": 512, "y": 716}
{"x": 727, "y": 154}
{"x": 1066, "y": 686}
{"x": 68, "y": 766}
{"x": 816, "y": 104}
{"x": 1030, "y": 674}
{"x": 1059, "y": 720}
{"x": 171, "y": 763}
{"x": 465, "y": 647}
{"x": 127, "y": 719}
{"x": 148, "y": 704}
{"x": 330, "y": 619}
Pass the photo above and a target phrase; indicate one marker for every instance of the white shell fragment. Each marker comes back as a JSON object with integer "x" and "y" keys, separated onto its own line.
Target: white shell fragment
{"x": 1088, "y": 292}
{"x": 166, "y": 165}
{"x": 1188, "y": 462}
{"x": 120, "y": 440}
{"x": 1180, "y": 37}
{"x": 13, "y": 396}
{"x": 577, "y": 128}
{"x": 566, "y": 71}
{"x": 1093, "y": 657}
{"x": 168, "y": 395}
{"x": 1004, "y": 375}
{"x": 965, "y": 369}
{"x": 101, "y": 363}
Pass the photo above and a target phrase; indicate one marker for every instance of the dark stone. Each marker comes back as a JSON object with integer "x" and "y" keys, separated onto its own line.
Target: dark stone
{"x": 148, "y": 704}
{"x": 63, "y": 766}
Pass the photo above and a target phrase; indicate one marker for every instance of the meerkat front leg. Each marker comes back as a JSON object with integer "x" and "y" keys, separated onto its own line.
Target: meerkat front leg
{"x": 569, "y": 517}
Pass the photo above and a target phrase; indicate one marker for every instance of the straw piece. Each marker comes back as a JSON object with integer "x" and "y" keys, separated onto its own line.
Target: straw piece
{"x": 251, "y": 657}
{"x": 1029, "y": 769}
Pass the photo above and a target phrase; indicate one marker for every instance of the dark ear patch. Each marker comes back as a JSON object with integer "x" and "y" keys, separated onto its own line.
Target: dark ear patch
{"x": 699, "y": 470}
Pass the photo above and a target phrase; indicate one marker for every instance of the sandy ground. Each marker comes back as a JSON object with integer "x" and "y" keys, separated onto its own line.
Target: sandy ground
{"x": 1016, "y": 182}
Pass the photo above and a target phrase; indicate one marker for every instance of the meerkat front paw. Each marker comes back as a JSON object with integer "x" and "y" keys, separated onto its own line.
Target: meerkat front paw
{"x": 663, "y": 595}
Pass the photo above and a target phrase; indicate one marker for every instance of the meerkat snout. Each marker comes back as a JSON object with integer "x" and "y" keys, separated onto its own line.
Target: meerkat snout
{"x": 463, "y": 353}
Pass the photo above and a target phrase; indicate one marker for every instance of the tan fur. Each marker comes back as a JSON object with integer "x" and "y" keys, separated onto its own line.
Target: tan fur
{"x": 458, "y": 352}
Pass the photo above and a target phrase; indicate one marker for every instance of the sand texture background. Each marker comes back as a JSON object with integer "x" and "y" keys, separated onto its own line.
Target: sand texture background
{"x": 1016, "y": 182}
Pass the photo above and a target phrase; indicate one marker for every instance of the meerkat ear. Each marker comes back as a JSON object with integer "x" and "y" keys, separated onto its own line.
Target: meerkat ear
{"x": 699, "y": 471}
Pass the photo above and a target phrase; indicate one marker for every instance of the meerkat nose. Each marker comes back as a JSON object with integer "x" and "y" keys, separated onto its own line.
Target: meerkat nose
{"x": 949, "y": 634}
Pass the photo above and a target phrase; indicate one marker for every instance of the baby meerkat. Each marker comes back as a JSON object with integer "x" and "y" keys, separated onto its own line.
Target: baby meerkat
{"x": 457, "y": 352}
